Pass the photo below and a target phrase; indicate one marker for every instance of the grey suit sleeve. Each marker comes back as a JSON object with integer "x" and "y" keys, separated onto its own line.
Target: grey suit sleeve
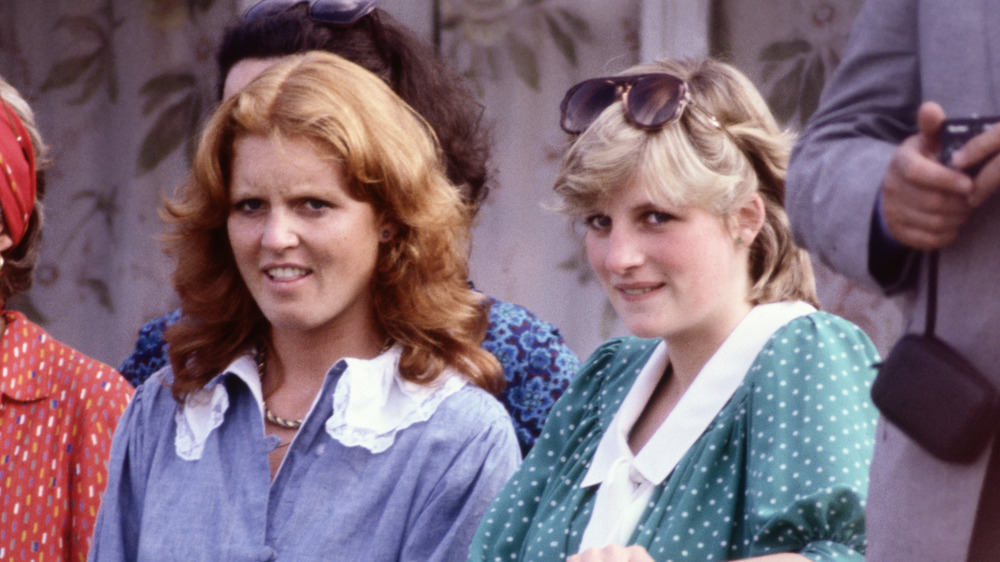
{"x": 867, "y": 109}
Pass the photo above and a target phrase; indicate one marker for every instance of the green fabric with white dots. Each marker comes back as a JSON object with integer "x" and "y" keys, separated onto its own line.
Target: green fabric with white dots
{"x": 783, "y": 467}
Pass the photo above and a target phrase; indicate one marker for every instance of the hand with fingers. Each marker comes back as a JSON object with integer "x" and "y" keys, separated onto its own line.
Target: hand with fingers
{"x": 924, "y": 202}
{"x": 982, "y": 151}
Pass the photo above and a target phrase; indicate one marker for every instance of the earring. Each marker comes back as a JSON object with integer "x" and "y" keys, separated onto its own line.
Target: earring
{"x": 739, "y": 240}
{"x": 386, "y": 234}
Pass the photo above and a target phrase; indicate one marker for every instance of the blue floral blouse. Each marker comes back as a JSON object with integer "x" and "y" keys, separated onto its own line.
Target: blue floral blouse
{"x": 536, "y": 362}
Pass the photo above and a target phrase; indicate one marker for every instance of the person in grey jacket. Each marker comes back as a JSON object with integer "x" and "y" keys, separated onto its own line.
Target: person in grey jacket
{"x": 873, "y": 146}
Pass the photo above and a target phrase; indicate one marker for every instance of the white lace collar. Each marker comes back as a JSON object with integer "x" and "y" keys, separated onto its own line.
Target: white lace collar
{"x": 371, "y": 403}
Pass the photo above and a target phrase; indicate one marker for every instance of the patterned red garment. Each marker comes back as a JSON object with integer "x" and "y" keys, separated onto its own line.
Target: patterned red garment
{"x": 58, "y": 410}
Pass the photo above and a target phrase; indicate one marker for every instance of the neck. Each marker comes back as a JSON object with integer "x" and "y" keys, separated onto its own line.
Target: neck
{"x": 298, "y": 356}
{"x": 690, "y": 351}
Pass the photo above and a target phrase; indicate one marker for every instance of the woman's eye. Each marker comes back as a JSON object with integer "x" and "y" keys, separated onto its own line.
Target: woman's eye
{"x": 597, "y": 222}
{"x": 316, "y": 204}
{"x": 657, "y": 217}
{"x": 248, "y": 205}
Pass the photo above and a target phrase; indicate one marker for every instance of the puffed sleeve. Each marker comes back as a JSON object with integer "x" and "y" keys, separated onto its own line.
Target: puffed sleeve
{"x": 116, "y": 533}
{"x": 466, "y": 483}
{"x": 810, "y": 439}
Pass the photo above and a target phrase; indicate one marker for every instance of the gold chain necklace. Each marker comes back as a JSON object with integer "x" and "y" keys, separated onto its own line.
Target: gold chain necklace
{"x": 278, "y": 420}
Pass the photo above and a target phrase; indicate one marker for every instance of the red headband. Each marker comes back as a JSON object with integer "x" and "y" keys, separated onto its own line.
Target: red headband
{"x": 17, "y": 175}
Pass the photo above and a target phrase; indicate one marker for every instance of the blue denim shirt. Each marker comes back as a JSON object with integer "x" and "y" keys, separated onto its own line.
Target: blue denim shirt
{"x": 421, "y": 499}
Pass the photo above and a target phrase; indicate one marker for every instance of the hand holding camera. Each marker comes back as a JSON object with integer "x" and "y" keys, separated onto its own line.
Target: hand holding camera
{"x": 955, "y": 133}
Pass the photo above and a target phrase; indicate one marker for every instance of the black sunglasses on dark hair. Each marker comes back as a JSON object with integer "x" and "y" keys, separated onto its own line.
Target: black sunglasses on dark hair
{"x": 337, "y": 13}
{"x": 341, "y": 13}
{"x": 651, "y": 101}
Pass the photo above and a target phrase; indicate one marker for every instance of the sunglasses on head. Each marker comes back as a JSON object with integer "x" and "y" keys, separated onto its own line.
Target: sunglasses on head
{"x": 337, "y": 13}
{"x": 341, "y": 13}
{"x": 651, "y": 101}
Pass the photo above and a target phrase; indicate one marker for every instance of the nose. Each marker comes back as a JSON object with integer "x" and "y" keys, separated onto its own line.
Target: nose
{"x": 280, "y": 232}
{"x": 622, "y": 250}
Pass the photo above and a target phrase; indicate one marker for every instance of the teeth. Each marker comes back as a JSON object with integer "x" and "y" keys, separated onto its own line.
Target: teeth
{"x": 285, "y": 272}
{"x": 636, "y": 291}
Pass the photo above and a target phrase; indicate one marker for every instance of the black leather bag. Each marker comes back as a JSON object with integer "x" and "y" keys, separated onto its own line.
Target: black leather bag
{"x": 934, "y": 395}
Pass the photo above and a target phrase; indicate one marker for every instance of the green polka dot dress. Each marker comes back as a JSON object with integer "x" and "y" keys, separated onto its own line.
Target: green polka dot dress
{"x": 783, "y": 467}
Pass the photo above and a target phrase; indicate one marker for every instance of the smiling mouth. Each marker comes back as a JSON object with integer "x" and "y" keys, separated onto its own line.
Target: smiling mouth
{"x": 283, "y": 273}
{"x": 633, "y": 292}
{"x": 637, "y": 290}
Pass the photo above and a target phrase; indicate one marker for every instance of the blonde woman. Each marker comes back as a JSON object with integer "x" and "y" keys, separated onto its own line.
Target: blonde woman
{"x": 736, "y": 424}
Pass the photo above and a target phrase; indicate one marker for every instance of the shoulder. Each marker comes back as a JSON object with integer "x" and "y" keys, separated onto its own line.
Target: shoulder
{"x": 607, "y": 375}
{"x": 615, "y": 357}
{"x": 73, "y": 371}
{"x": 822, "y": 330}
{"x": 471, "y": 409}
{"x": 504, "y": 313}
{"x": 152, "y": 405}
{"x": 470, "y": 423}
{"x": 511, "y": 324}
{"x": 155, "y": 327}
{"x": 149, "y": 354}
{"x": 819, "y": 351}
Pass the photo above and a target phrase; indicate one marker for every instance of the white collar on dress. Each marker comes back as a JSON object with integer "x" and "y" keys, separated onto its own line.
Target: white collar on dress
{"x": 703, "y": 400}
{"x": 371, "y": 403}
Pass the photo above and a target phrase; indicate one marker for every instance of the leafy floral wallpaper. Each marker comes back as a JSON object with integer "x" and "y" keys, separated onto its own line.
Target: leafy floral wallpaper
{"x": 790, "y": 62}
{"x": 121, "y": 88}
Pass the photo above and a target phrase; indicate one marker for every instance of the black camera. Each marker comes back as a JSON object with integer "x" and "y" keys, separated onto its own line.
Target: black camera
{"x": 956, "y": 132}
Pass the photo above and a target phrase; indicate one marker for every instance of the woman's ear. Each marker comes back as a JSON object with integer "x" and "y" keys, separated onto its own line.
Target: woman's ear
{"x": 387, "y": 230}
{"x": 749, "y": 219}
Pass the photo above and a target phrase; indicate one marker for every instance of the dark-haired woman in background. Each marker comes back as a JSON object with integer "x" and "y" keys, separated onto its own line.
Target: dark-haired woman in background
{"x": 536, "y": 361}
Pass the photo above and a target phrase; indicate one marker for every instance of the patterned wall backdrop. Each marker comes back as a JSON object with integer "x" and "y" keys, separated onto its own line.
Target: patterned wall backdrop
{"x": 121, "y": 87}
{"x": 789, "y": 48}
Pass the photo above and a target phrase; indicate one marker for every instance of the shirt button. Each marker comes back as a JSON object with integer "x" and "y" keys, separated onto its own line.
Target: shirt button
{"x": 267, "y": 553}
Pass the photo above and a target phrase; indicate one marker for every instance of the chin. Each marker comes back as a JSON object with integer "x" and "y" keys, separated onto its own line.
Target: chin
{"x": 644, "y": 330}
{"x": 292, "y": 322}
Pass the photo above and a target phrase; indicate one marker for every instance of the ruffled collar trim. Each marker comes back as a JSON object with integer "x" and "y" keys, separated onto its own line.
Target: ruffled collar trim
{"x": 371, "y": 403}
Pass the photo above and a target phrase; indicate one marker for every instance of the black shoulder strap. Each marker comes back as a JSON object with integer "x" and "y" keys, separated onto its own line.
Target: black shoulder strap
{"x": 932, "y": 277}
